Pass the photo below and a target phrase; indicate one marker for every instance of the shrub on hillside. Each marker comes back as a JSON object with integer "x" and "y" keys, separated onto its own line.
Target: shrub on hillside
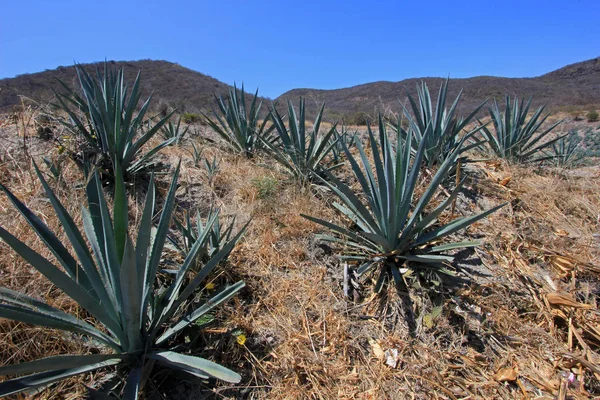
{"x": 190, "y": 118}
{"x": 359, "y": 118}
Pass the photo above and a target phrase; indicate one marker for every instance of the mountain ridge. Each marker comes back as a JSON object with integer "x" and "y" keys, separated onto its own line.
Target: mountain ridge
{"x": 175, "y": 86}
{"x": 575, "y": 85}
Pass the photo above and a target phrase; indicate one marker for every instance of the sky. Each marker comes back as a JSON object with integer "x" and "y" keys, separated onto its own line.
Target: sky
{"x": 280, "y": 45}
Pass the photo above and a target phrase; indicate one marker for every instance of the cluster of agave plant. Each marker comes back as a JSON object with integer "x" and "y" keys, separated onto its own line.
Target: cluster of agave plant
{"x": 138, "y": 312}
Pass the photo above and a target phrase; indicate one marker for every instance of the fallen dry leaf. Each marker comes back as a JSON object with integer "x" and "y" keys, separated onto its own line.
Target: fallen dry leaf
{"x": 493, "y": 164}
{"x": 565, "y": 264}
{"x": 377, "y": 350}
{"x": 561, "y": 232}
{"x": 565, "y": 299}
{"x": 505, "y": 181}
{"x": 506, "y": 375}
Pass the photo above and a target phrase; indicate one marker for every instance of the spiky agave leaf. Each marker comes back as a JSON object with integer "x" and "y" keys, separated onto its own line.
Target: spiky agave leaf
{"x": 212, "y": 233}
{"x": 567, "y": 151}
{"x": 390, "y": 231}
{"x": 174, "y": 132}
{"x": 116, "y": 283}
{"x": 238, "y": 125}
{"x": 109, "y": 117}
{"x": 304, "y": 153}
{"x": 439, "y": 126}
{"x": 339, "y": 139}
{"x": 516, "y": 138}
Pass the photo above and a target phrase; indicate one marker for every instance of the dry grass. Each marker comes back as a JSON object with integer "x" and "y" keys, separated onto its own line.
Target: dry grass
{"x": 504, "y": 333}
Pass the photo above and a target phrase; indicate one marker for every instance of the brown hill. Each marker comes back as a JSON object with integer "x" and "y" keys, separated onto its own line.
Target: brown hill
{"x": 170, "y": 83}
{"x": 574, "y": 85}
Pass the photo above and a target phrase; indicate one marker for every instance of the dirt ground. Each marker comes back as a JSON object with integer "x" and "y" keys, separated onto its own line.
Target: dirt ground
{"x": 520, "y": 320}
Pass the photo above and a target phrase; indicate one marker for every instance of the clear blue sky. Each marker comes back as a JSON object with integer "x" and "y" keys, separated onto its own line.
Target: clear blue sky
{"x": 280, "y": 45}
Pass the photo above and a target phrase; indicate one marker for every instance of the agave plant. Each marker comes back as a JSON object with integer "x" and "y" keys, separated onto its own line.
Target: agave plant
{"x": 217, "y": 235}
{"x": 439, "y": 126}
{"x": 211, "y": 168}
{"x": 135, "y": 319}
{"x": 340, "y": 140}
{"x": 516, "y": 138}
{"x": 567, "y": 152}
{"x": 238, "y": 125}
{"x": 196, "y": 155}
{"x": 174, "y": 132}
{"x": 392, "y": 236}
{"x": 104, "y": 115}
{"x": 304, "y": 154}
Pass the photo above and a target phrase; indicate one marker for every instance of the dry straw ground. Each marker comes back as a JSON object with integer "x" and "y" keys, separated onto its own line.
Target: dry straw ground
{"x": 521, "y": 322}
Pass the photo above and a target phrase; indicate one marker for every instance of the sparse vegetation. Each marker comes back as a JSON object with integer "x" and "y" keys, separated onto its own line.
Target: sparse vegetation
{"x": 592, "y": 116}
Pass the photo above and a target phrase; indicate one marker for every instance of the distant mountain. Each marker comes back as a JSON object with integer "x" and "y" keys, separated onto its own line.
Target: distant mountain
{"x": 171, "y": 84}
{"x": 175, "y": 86}
{"x": 574, "y": 85}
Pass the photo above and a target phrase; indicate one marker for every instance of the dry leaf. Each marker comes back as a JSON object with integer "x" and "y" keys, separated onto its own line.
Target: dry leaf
{"x": 493, "y": 164}
{"x": 565, "y": 299}
{"x": 506, "y": 375}
{"x": 377, "y": 350}
{"x": 561, "y": 232}
{"x": 563, "y": 263}
{"x": 505, "y": 181}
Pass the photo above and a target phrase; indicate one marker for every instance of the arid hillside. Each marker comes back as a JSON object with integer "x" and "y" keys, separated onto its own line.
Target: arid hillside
{"x": 171, "y": 84}
{"x": 576, "y": 85}
{"x": 571, "y": 86}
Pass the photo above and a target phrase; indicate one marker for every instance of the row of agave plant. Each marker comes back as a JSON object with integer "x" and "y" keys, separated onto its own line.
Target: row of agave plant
{"x": 138, "y": 311}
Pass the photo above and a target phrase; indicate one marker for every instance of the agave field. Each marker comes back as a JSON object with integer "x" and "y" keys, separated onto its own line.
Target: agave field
{"x": 265, "y": 253}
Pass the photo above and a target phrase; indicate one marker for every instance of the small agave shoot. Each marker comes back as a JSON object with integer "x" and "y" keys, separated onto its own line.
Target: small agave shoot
{"x": 394, "y": 231}
{"x": 516, "y": 138}
{"x": 135, "y": 317}
{"x": 568, "y": 152}
{"x": 341, "y": 139}
{"x": 107, "y": 119}
{"x": 238, "y": 125}
{"x": 304, "y": 153}
{"x": 174, "y": 132}
{"x": 190, "y": 230}
{"x": 439, "y": 127}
